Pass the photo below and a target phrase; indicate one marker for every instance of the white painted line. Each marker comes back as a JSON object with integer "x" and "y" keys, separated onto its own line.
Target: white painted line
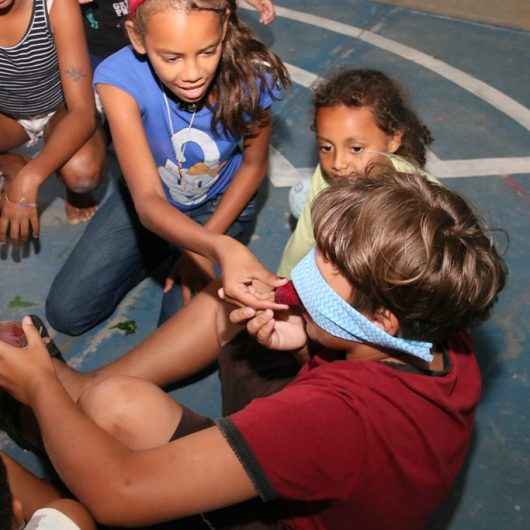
{"x": 282, "y": 173}
{"x": 479, "y": 167}
{"x": 301, "y": 76}
{"x": 494, "y": 97}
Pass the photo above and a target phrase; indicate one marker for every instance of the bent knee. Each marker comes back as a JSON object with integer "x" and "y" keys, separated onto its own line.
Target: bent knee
{"x": 64, "y": 318}
{"x": 81, "y": 175}
{"x": 134, "y": 411}
{"x": 109, "y": 402}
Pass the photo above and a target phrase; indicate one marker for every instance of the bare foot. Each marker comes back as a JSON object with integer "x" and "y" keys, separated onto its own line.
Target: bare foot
{"x": 79, "y": 208}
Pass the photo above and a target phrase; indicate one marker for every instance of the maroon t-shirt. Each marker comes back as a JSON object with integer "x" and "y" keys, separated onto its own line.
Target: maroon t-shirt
{"x": 360, "y": 444}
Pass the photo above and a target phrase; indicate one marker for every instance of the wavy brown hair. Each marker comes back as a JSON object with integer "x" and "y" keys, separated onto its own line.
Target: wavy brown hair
{"x": 392, "y": 113}
{"x": 246, "y": 68}
{"x": 410, "y": 246}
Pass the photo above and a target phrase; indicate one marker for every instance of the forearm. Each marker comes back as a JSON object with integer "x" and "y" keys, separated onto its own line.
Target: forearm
{"x": 158, "y": 216}
{"x": 242, "y": 188}
{"x": 69, "y": 437}
{"x": 68, "y": 136}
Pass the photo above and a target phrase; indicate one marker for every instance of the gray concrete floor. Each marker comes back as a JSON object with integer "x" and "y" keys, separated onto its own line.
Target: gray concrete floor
{"x": 469, "y": 82}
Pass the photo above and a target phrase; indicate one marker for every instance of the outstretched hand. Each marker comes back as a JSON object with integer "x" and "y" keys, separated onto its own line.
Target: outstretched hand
{"x": 23, "y": 370}
{"x": 246, "y": 282}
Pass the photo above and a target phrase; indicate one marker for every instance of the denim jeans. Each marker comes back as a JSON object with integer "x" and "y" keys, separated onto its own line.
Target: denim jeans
{"x": 114, "y": 254}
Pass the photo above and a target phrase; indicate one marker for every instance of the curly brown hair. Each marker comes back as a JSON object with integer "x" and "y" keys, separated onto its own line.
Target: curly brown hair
{"x": 360, "y": 88}
{"x": 410, "y": 246}
{"x": 246, "y": 68}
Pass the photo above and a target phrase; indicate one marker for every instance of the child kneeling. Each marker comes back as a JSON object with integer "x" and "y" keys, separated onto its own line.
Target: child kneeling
{"x": 369, "y": 434}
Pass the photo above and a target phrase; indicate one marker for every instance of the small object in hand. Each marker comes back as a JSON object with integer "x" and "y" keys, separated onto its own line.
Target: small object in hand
{"x": 286, "y": 294}
{"x": 11, "y": 332}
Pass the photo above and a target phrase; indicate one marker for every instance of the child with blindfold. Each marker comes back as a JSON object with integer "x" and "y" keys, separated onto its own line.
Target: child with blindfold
{"x": 372, "y": 430}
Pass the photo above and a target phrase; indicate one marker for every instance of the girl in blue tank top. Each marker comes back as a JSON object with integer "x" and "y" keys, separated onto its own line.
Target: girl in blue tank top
{"x": 188, "y": 108}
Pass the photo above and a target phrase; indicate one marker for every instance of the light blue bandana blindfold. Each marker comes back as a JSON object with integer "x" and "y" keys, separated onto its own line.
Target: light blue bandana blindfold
{"x": 334, "y": 315}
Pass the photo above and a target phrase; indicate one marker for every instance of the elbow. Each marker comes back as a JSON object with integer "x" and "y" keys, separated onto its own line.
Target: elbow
{"x": 111, "y": 506}
{"x": 144, "y": 215}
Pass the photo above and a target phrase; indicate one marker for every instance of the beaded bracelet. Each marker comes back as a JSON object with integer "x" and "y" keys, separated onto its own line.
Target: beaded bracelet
{"x": 22, "y": 203}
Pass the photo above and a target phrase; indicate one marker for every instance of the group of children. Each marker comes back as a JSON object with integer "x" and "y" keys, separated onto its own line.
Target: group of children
{"x": 348, "y": 392}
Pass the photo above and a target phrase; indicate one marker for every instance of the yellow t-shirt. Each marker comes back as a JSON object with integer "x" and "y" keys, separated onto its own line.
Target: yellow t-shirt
{"x": 302, "y": 239}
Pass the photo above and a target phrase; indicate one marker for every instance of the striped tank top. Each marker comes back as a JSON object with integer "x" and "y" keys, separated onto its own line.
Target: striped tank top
{"x": 30, "y": 83}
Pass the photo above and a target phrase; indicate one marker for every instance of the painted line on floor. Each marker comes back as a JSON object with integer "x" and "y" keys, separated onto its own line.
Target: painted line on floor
{"x": 515, "y": 110}
{"x": 283, "y": 174}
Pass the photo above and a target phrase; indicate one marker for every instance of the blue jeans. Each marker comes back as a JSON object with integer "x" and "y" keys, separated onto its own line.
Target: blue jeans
{"x": 114, "y": 254}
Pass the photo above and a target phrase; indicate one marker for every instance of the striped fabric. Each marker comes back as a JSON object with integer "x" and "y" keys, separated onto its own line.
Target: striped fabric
{"x": 30, "y": 83}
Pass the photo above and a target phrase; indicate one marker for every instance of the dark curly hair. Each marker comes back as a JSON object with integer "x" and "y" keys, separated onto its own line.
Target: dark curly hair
{"x": 247, "y": 66}
{"x": 360, "y": 88}
{"x": 411, "y": 246}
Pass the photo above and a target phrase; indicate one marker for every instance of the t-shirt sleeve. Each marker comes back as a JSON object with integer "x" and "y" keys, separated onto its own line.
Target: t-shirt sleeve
{"x": 50, "y": 519}
{"x": 299, "y": 444}
{"x": 302, "y": 239}
{"x": 121, "y": 70}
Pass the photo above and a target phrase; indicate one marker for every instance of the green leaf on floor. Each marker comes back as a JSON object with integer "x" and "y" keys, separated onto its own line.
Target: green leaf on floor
{"x": 129, "y": 326}
{"x": 19, "y": 303}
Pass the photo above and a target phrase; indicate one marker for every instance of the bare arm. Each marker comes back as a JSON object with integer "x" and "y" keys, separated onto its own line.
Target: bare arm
{"x": 238, "y": 264}
{"x": 243, "y": 186}
{"x": 79, "y": 122}
{"x": 197, "y": 473}
{"x": 184, "y": 345}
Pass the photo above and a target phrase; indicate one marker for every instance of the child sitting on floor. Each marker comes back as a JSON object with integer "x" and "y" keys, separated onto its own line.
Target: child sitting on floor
{"x": 370, "y": 433}
{"x": 27, "y": 502}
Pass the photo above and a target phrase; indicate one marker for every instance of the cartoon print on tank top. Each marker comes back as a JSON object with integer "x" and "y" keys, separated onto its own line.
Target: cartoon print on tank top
{"x": 190, "y": 185}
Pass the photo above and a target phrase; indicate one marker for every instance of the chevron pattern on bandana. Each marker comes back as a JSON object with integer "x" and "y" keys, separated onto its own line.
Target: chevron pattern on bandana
{"x": 334, "y": 315}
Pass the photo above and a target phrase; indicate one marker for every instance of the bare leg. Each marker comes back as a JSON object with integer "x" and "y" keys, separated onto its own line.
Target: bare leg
{"x": 31, "y": 493}
{"x": 30, "y": 490}
{"x": 181, "y": 347}
{"x": 81, "y": 174}
{"x": 12, "y": 134}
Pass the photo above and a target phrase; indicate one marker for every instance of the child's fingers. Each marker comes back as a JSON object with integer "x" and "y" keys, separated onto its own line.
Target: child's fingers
{"x": 240, "y": 315}
{"x": 261, "y": 318}
{"x": 14, "y": 230}
{"x": 24, "y": 229}
{"x": 34, "y": 222}
{"x": 264, "y": 335}
{"x": 4, "y": 225}
{"x": 32, "y": 334}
